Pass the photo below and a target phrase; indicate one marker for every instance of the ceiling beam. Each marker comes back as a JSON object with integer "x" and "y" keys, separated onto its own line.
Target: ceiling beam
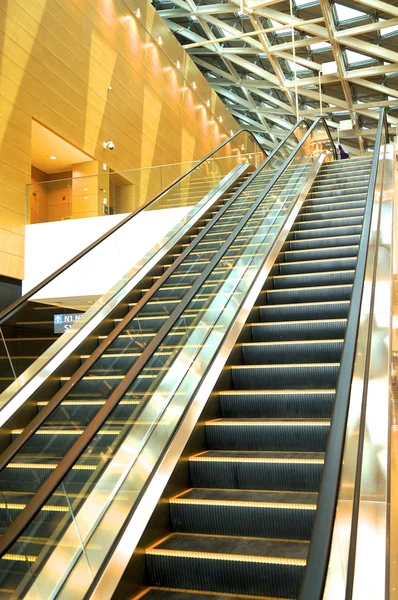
{"x": 379, "y": 5}
{"x": 363, "y": 29}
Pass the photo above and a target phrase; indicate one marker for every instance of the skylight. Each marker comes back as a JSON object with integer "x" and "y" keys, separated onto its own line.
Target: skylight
{"x": 355, "y": 58}
{"x": 344, "y": 13}
{"x": 287, "y": 31}
{"x": 301, "y": 3}
{"x": 320, "y": 46}
{"x": 295, "y": 67}
{"x": 388, "y": 30}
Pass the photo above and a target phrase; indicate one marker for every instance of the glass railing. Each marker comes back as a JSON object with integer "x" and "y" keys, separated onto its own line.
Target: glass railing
{"x": 123, "y": 192}
{"x": 82, "y": 292}
{"x": 94, "y": 483}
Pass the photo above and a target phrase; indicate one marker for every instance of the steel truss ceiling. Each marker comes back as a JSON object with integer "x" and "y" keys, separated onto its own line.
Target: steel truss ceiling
{"x": 341, "y": 55}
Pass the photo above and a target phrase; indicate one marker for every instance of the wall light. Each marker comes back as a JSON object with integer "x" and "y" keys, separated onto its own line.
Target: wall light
{"x": 178, "y": 64}
{"x": 207, "y": 102}
{"x": 53, "y": 158}
{"x": 194, "y": 85}
{"x": 138, "y": 13}
{"x": 160, "y": 40}
{"x": 231, "y": 132}
{"x": 220, "y": 119}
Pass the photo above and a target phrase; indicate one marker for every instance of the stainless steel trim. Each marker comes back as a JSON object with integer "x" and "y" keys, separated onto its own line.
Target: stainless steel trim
{"x": 370, "y": 568}
{"x": 21, "y": 389}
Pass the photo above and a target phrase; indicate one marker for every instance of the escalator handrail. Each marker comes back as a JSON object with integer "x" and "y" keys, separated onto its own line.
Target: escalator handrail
{"x": 322, "y": 532}
{"x": 15, "y": 306}
{"x": 35, "y": 504}
{"x": 17, "y": 444}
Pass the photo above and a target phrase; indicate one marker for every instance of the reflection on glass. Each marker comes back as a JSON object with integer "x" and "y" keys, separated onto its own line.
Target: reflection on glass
{"x": 104, "y": 483}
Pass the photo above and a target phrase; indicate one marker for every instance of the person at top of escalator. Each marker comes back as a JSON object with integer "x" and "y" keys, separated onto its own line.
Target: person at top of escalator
{"x": 343, "y": 153}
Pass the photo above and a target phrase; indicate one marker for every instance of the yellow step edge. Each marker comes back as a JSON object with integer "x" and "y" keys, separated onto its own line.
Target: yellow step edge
{"x": 244, "y": 504}
{"x": 201, "y": 592}
{"x": 229, "y": 557}
{"x": 304, "y": 322}
{"x": 315, "y": 287}
{"x": 285, "y": 366}
{"x": 316, "y": 260}
{"x": 265, "y": 423}
{"x": 49, "y": 508}
{"x": 323, "y": 248}
{"x": 304, "y": 303}
{"x": 313, "y": 274}
{"x": 295, "y": 461}
{"x": 275, "y": 392}
{"x": 20, "y": 557}
{"x": 48, "y": 466}
{"x": 290, "y": 342}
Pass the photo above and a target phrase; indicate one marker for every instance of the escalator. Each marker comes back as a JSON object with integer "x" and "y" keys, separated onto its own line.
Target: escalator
{"x": 242, "y": 500}
{"x": 244, "y": 525}
{"x": 84, "y": 386}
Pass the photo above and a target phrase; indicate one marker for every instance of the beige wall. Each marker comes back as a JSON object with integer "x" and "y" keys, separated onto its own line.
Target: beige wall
{"x": 58, "y": 59}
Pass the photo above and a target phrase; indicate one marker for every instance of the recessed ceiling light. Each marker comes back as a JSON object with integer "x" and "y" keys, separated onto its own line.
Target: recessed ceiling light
{"x": 53, "y": 157}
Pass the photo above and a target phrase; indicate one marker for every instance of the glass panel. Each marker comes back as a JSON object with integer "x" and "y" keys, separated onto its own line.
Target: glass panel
{"x": 104, "y": 483}
{"x": 106, "y": 274}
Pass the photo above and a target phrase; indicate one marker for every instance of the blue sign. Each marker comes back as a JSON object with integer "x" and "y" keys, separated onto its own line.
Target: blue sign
{"x": 64, "y": 322}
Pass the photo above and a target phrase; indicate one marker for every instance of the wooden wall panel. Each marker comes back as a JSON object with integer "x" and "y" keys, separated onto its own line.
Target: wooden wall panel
{"x": 58, "y": 61}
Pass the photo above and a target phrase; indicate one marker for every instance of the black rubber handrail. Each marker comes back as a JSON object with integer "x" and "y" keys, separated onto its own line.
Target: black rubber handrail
{"x": 17, "y": 444}
{"x": 15, "y": 306}
{"x": 318, "y": 556}
{"x": 16, "y": 529}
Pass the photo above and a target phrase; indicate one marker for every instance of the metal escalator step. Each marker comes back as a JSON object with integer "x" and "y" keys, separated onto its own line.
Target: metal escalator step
{"x": 228, "y": 564}
{"x": 292, "y": 351}
{"x": 326, "y": 232}
{"x": 332, "y": 214}
{"x": 81, "y": 412}
{"x": 285, "y": 376}
{"x": 287, "y": 312}
{"x": 309, "y": 294}
{"x": 160, "y": 593}
{"x": 318, "y": 203}
{"x": 302, "y": 280}
{"x": 248, "y": 470}
{"x": 326, "y": 223}
{"x": 282, "y": 515}
{"x": 316, "y": 265}
{"x": 317, "y": 254}
{"x": 333, "y": 206}
{"x": 298, "y": 330}
{"x": 283, "y": 435}
{"x": 332, "y": 193}
{"x": 278, "y": 404}
{"x": 312, "y": 243}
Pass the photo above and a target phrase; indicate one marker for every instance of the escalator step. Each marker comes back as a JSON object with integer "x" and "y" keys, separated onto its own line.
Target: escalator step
{"x": 309, "y": 294}
{"x": 313, "y": 243}
{"x": 328, "y": 231}
{"x": 313, "y": 279}
{"x": 282, "y": 404}
{"x": 297, "y": 435}
{"x": 228, "y": 564}
{"x": 298, "y": 330}
{"x": 306, "y": 310}
{"x": 169, "y": 594}
{"x": 317, "y": 254}
{"x": 283, "y": 515}
{"x": 296, "y": 351}
{"x": 317, "y": 265}
{"x": 287, "y": 471}
{"x": 285, "y": 376}
{"x": 326, "y": 223}
{"x": 337, "y": 213}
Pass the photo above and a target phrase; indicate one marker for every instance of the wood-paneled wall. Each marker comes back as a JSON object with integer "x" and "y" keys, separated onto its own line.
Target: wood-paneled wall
{"x": 92, "y": 71}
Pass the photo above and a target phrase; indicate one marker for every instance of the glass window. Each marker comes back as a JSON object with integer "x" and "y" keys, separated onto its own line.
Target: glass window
{"x": 344, "y": 13}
